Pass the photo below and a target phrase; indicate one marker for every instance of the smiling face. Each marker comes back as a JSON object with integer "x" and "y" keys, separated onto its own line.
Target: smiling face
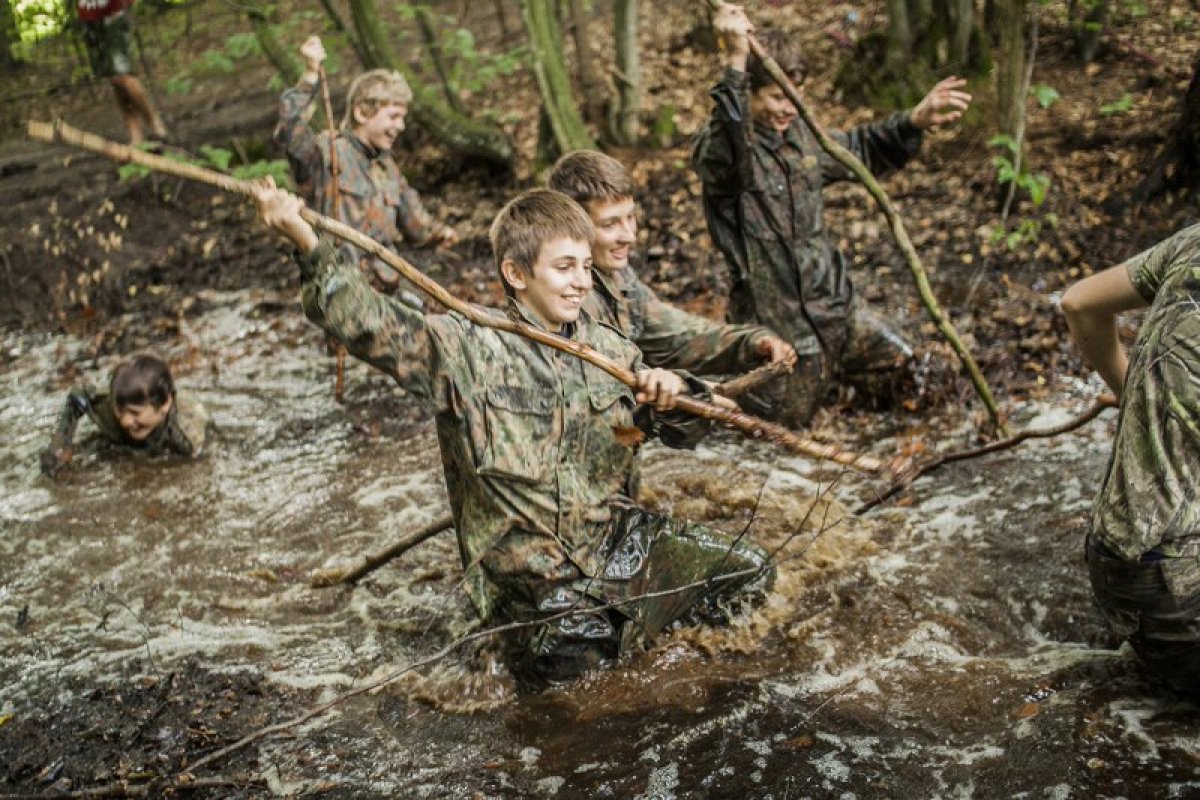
{"x": 616, "y": 232}
{"x": 555, "y": 288}
{"x": 770, "y": 106}
{"x": 139, "y": 420}
{"x": 381, "y": 128}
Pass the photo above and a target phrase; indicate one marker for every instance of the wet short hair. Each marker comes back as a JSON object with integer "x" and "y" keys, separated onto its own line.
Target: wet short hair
{"x": 373, "y": 90}
{"x": 586, "y": 175}
{"x": 785, "y": 49}
{"x": 142, "y": 379}
{"x": 530, "y": 220}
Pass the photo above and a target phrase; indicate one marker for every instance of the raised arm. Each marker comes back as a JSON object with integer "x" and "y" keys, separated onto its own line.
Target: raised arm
{"x": 58, "y": 454}
{"x": 723, "y": 153}
{"x": 1091, "y": 308}
{"x": 296, "y": 107}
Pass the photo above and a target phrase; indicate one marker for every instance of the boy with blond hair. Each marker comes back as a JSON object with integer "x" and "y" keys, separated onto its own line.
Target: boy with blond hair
{"x": 531, "y": 442}
{"x": 368, "y": 193}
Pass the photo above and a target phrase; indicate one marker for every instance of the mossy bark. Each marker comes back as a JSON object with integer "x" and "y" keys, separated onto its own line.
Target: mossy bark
{"x": 458, "y": 132}
{"x": 629, "y": 73}
{"x": 545, "y": 43}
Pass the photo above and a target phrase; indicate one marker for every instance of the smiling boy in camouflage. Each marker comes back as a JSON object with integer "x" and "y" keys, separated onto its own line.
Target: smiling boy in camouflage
{"x": 531, "y": 442}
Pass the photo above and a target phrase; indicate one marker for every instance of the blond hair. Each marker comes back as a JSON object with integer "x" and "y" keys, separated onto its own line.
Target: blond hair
{"x": 530, "y": 220}
{"x": 372, "y": 91}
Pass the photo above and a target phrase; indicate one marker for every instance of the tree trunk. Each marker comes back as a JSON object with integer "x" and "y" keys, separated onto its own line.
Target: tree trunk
{"x": 1178, "y": 163}
{"x": 281, "y": 58}
{"x": 1010, "y": 65}
{"x": 545, "y": 42}
{"x": 9, "y": 35}
{"x": 629, "y": 72}
{"x": 595, "y": 96}
{"x": 340, "y": 26}
{"x": 434, "y": 46}
{"x": 1087, "y": 19}
{"x": 462, "y": 134}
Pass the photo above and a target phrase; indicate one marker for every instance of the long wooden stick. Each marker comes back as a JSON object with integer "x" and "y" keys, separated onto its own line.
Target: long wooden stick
{"x": 1105, "y": 401}
{"x": 738, "y": 386}
{"x": 334, "y": 192}
{"x": 752, "y": 426}
{"x": 852, "y": 163}
{"x": 369, "y": 564}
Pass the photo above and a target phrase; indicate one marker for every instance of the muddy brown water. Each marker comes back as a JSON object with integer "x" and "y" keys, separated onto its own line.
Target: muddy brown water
{"x": 947, "y": 649}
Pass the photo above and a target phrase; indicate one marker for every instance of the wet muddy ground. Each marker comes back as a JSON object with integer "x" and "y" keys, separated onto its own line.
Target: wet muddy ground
{"x": 155, "y": 610}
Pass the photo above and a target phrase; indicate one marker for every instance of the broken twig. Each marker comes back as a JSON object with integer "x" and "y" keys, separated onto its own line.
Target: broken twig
{"x": 738, "y": 386}
{"x": 334, "y": 577}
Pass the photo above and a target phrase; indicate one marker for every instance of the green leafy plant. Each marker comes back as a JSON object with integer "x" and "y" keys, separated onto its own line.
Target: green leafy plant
{"x": 277, "y": 169}
{"x": 178, "y": 84}
{"x": 219, "y": 158}
{"x": 1036, "y": 185}
{"x": 1046, "y": 96}
{"x": 1117, "y": 106}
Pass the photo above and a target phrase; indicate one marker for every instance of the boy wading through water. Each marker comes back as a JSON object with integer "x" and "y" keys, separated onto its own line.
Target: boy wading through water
{"x": 1143, "y": 548}
{"x": 763, "y": 172}
{"x": 667, "y": 336}
{"x": 141, "y": 410}
{"x": 535, "y": 443}
{"x": 368, "y": 193}
{"x": 107, "y": 27}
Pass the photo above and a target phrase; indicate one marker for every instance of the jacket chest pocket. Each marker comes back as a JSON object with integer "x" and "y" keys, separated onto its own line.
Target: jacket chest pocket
{"x": 520, "y": 437}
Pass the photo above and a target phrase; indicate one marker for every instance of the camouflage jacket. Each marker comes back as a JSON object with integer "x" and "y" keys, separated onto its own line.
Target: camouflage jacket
{"x": 762, "y": 199}
{"x": 370, "y": 194}
{"x": 667, "y": 336}
{"x": 530, "y": 437}
{"x": 1149, "y": 497}
{"x": 182, "y": 433}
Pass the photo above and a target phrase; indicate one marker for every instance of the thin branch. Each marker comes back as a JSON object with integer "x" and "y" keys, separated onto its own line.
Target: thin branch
{"x": 740, "y": 385}
{"x": 344, "y": 577}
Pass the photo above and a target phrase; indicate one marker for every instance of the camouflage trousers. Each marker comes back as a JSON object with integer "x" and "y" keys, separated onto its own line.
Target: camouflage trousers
{"x": 876, "y": 359}
{"x": 1155, "y": 603}
{"x": 110, "y": 45}
{"x": 646, "y": 557}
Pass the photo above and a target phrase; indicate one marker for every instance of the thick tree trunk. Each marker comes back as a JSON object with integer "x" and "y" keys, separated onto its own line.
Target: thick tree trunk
{"x": 629, "y": 72}
{"x": 434, "y": 46}
{"x": 545, "y": 42}
{"x": 1087, "y": 19}
{"x": 281, "y": 58}
{"x": 462, "y": 134}
{"x": 595, "y": 96}
{"x": 1178, "y": 163}
{"x": 1010, "y": 65}
{"x": 9, "y": 35}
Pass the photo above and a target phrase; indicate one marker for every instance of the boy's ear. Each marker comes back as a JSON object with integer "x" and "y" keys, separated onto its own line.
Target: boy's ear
{"x": 359, "y": 115}
{"x": 167, "y": 405}
{"x": 514, "y": 276}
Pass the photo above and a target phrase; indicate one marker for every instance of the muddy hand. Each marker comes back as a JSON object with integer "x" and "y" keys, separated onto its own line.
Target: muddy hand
{"x": 776, "y": 350}
{"x": 660, "y": 387}
{"x": 53, "y": 459}
{"x": 280, "y": 209}
{"x": 945, "y": 102}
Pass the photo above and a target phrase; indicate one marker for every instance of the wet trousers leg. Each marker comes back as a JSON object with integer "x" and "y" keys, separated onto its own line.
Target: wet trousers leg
{"x": 1156, "y": 605}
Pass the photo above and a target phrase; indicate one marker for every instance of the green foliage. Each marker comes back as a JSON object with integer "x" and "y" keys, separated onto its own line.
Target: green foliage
{"x": 1045, "y": 95}
{"x": 1117, "y": 106}
{"x": 213, "y": 62}
{"x": 1036, "y": 185}
{"x": 242, "y": 45}
{"x": 178, "y": 84}
{"x": 218, "y": 158}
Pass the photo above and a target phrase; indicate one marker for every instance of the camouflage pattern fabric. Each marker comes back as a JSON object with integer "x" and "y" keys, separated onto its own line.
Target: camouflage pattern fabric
{"x": 1148, "y": 502}
{"x": 109, "y": 44}
{"x": 762, "y": 200}
{"x": 371, "y": 194}
{"x": 182, "y": 433}
{"x": 530, "y": 439}
{"x": 667, "y": 336}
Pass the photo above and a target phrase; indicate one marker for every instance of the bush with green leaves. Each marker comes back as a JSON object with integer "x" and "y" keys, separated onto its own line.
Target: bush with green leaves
{"x": 220, "y": 159}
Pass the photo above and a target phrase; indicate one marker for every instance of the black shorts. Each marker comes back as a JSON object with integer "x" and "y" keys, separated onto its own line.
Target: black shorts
{"x": 110, "y": 45}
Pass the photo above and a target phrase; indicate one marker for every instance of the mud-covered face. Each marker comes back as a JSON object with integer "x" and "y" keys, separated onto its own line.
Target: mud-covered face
{"x": 556, "y": 287}
{"x": 381, "y": 129}
{"x": 770, "y": 106}
{"x": 139, "y": 420}
{"x": 616, "y": 232}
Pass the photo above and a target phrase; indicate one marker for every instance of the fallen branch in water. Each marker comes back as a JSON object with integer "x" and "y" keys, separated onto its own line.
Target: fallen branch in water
{"x": 1102, "y": 403}
{"x": 333, "y": 577}
{"x": 752, "y": 426}
{"x": 183, "y": 782}
{"x": 851, "y": 162}
{"x": 736, "y": 387}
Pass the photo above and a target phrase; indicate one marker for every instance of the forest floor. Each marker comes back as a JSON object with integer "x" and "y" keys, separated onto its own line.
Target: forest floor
{"x": 123, "y": 264}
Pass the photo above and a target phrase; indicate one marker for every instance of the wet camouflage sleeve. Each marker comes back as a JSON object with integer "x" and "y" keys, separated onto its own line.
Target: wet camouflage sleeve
{"x": 80, "y": 402}
{"x": 383, "y": 332}
{"x": 884, "y": 146}
{"x": 673, "y": 338}
{"x": 187, "y": 427}
{"x": 293, "y": 134}
{"x": 1148, "y": 501}
{"x": 723, "y": 154}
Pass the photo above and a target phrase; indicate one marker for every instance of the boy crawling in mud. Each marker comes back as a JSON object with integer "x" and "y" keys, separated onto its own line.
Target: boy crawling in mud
{"x": 368, "y": 193}
{"x": 141, "y": 410}
{"x": 1143, "y": 549}
{"x": 763, "y": 172}
{"x": 532, "y": 445}
{"x": 667, "y": 336}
